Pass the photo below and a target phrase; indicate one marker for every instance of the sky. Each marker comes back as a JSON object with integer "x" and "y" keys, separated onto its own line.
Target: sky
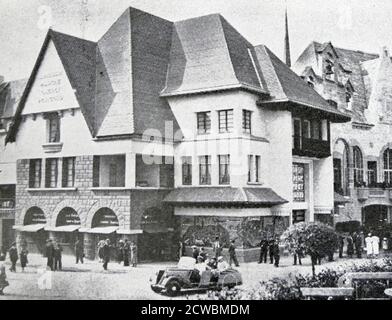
{"x": 354, "y": 24}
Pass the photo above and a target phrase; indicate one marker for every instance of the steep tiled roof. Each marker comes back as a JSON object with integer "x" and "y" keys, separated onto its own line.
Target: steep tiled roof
{"x": 10, "y": 94}
{"x": 285, "y": 85}
{"x": 263, "y": 197}
{"x": 208, "y": 54}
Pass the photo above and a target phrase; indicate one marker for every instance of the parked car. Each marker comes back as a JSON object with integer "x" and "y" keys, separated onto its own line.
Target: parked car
{"x": 185, "y": 277}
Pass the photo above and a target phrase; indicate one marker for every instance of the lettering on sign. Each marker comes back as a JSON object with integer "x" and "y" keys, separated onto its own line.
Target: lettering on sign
{"x": 51, "y": 88}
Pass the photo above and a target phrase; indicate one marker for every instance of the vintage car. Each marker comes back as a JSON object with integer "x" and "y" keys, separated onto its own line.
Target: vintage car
{"x": 185, "y": 277}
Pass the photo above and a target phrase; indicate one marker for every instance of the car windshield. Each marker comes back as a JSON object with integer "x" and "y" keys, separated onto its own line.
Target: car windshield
{"x": 186, "y": 263}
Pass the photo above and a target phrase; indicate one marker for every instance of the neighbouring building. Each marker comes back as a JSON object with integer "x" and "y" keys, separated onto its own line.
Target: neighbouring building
{"x": 358, "y": 84}
{"x": 161, "y": 132}
{"x": 10, "y": 93}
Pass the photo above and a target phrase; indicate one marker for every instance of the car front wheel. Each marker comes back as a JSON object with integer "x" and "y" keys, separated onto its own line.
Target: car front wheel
{"x": 173, "y": 288}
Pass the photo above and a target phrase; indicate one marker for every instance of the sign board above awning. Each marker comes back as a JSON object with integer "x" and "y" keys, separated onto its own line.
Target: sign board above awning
{"x": 30, "y": 227}
{"x": 134, "y": 231}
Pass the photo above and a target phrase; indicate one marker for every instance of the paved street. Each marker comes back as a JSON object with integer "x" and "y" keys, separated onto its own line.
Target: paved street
{"x": 89, "y": 281}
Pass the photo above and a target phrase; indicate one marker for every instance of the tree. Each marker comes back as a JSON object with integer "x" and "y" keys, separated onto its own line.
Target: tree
{"x": 313, "y": 238}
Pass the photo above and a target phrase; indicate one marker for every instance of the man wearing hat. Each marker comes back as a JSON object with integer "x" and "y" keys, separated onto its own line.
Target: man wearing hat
{"x": 49, "y": 252}
{"x": 195, "y": 252}
{"x": 13, "y": 253}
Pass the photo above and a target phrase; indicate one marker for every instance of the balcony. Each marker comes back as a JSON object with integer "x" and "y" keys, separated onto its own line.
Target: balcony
{"x": 309, "y": 147}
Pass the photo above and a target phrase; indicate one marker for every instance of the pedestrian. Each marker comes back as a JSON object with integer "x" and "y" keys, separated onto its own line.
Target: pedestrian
{"x": 350, "y": 246}
{"x": 341, "y": 246}
{"x": 57, "y": 255}
{"x": 222, "y": 264}
{"x": 385, "y": 244}
{"x": 79, "y": 251}
{"x": 232, "y": 254}
{"x": 369, "y": 246}
{"x": 126, "y": 252}
{"x": 133, "y": 248}
{"x": 271, "y": 244}
{"x": 195, "y": 252}
{"x": 13, "y": 254}
{"x": 106, "y": 254}
{"x": 181, "y": 249}
{"x": 119, "y": 251}
{"x": 217, "y": 247}
{"x": 298, "y": 255}
{"x": 376, "y": 245}
{"x": 3, "y": 276}
{"x": 358, "y": 246}
{"x": 203, "y": 254}
{"x": 49, "y": 252}
{"x": 276, "y": 252}
{"x": 100, "y": 246}
{"x": 23, "y": 258}
{"x": 263, "y": 251}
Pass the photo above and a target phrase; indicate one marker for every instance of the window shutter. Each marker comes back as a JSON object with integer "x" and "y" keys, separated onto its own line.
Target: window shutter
{"x": 96, "y": 171}
{"x": 64, "y": 176}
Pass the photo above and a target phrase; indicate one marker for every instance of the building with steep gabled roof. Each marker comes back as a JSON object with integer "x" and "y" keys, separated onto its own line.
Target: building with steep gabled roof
{"x": 161, "y": 131}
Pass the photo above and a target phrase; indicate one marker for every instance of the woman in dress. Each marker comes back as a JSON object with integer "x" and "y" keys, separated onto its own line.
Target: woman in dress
{"x": 23, "y": 258}
{"x": 133, "y": 248}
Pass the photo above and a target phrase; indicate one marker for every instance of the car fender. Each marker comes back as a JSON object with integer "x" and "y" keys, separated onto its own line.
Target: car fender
{"x": 166, "y": 280}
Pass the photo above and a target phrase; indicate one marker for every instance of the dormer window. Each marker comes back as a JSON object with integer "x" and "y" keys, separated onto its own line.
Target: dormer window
{"x": 332, "y": 103}
{"x": 349, "y": 95}
{"x": 53, "y": 121}
{"x": 329, "y": 70}
{"x": 311, "y": 81}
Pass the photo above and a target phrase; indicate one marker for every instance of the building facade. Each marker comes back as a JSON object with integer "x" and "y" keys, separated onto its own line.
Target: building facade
{"x": 161, "y": 132}
{"x": 358, "y": 84}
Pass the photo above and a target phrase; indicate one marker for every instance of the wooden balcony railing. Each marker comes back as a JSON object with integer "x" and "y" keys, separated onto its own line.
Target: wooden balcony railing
{"x": 311, "y": 147}
{"x": 7, "y": 203}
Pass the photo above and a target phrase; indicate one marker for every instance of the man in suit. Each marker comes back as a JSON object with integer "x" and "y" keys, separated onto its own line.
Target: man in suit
{"x": 79, "y": 252}
{"x": 271, "y": 244}
{"x": 13, "y": 254}
{"x": 276, "y": 252}
{"x": 263, "y": 251}
{"x": 217, "y": 247}
{"x": 49, "y": 252}
{"x": 233, "y": 255}
{"x": 106, "y": 254}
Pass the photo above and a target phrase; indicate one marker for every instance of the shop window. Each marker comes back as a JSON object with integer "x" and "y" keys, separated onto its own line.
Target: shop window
{"x": 298, "y": 182}
{"x": 358, "y": 166}
{"x": 68, "y": 172}
{"x": 187, "y": 171}
{"x": 225, "y": 120}
{"x": 247, "y": 121}
{"x": 387, "y": 160}
{"x": 205, "y": 170}
{"x": 35, "y": 173}
{"x": 51, "y": 173}
{"x": 203, "y": 122}
{"x": 224, "y": 169}
{"x": 53, "y": 123}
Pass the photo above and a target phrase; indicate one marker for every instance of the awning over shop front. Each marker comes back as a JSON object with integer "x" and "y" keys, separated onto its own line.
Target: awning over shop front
{"x": 224, "y": 196}
{"x": 102, "y": 230}
{"x": 67, "y": 228}
{"x": 134, "y": 231}
{"x": 156, "y": 229}
{"x": 339, "y": 199}
{"x": 30, "y": 227}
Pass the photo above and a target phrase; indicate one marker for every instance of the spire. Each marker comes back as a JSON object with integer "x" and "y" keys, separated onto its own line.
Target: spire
{"x": 287, "y": 41}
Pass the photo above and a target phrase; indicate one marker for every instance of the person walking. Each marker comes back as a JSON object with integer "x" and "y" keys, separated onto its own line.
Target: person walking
{"x": 298, "y": 255}
{"x": 106, "y": 254}
{"x": 369, "y": 246}
{"x": 133, "y": 248}
{"x": 119, "y": 251}
{"x": 13, "y": 254}
{"x": 100, "y": 246}
{"x": 3, "y": 276}
{"x": 232, "y": 254}
{"x": 341, "y": 246}
{"x": 271, "y": 244}
{"x": 376, "y": 245}
{"x": 276, "y": 252}
{"x": 350, "y": 246}
{"x": 358, "y": 245}
{"x": 263, "y": 251}
{"x": 217, "y": 247}
{"x": 195, "y": 252}
{"x": 49, "y": 253}
{"x": 79, "y": 251}
{"x": 126, "y": 252}
{"x": 23, "y": 258}
{"x": 57, "y": 255}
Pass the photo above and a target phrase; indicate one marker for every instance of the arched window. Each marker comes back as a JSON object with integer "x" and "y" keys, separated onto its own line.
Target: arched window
{"x": 358, "y": 166}
{"x": 387, "y": 157}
